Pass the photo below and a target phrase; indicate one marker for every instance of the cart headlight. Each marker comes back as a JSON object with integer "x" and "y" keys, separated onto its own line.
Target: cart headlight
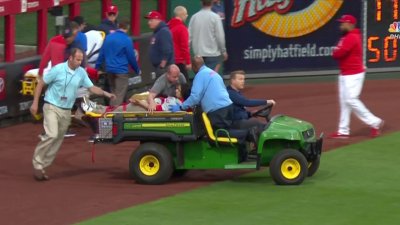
{"x": 308, "y": 133}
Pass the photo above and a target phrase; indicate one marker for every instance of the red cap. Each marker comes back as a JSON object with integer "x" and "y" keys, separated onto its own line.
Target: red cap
{"x": 112, "y": 9}
{"x": 348, "y": 19}
{"x": 153, "y": 15}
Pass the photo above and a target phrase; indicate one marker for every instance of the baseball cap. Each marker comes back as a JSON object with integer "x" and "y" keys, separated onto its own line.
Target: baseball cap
{"x": 67, "y": 32}
{"x": 112, "y": 9}
{"x": 153, "y": 15}
{"x": 79, "y": 20}
{"x": 347, "y": 19}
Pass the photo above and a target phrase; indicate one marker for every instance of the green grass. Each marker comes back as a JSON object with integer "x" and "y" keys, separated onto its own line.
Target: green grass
{"x": 357, "y": 184}
{"x": 26, "y": 24}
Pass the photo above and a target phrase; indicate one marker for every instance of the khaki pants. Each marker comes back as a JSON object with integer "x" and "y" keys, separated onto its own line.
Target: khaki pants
{"x": 119, "y": 86}
{"x": 56, "y": 122}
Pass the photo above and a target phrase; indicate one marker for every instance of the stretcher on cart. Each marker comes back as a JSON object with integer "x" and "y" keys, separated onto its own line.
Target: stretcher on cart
{"x": 116, "y": 127}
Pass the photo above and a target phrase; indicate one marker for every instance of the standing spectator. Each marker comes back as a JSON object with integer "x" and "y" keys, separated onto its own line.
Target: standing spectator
{"x": 94, "y": 45}
{"x": 56, "y": 50}
{"x": 80, "y": 40}
{"x": 116, "y": 53}
{"x": 207, "y": 36}
{"x": 349, "y": 54}
{"x": 62, "y": 83}
{"x": 180, "y": 36}
{"x": 161, "y": 46}
{"x": 218, "y": 8}
{"x": 110, "y": 24}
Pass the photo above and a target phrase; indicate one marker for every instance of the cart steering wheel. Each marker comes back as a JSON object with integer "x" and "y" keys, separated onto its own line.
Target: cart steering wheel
{"x": 263, "y": 112}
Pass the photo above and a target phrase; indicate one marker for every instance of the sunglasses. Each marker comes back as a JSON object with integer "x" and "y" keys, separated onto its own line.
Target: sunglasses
{"x": 111, "y": 14}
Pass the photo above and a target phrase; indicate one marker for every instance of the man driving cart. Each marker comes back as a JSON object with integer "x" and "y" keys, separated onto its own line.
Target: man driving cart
{"x": 244, "y": 119}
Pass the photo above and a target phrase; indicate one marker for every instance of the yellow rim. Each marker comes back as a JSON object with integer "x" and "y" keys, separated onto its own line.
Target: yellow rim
{"x": 299, "y": 23}
{"x": 290, "y": 168}
{"x": 149, "y": 165}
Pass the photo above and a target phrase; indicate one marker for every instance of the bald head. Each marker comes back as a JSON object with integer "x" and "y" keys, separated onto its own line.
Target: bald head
{"x": 173, "y": 69}
{"x": 181, "y": 13}
{"x": 197, "y": 63}
{"x": 173, "y": 73}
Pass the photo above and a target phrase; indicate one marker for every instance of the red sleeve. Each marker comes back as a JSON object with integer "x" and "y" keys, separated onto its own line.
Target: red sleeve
{"x": 344, "y": 46}
{"x": 45, "y": 58}
{"x": 159, "y": 106}
{"x": 184, "y": 34}
{"x": 92, "y": 72}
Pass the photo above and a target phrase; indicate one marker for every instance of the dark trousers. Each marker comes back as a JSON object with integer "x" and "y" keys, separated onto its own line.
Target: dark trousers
{"x": 212, "y": 62}
{"x": 247, "y": 124}
{"x": 182, "y": 68}
{"x": 221, "y": 118}
{"x": 254, "y": 126}
{"x": 119, "y": 86}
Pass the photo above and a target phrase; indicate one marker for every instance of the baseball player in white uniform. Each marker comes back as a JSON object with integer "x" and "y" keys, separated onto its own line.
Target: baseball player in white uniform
{"x": 349, "y": 54}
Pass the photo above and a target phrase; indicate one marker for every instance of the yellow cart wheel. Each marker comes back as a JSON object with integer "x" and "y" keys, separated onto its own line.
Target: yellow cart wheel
{"x": 288, "y": 167}
{"x": 151, "y": 163}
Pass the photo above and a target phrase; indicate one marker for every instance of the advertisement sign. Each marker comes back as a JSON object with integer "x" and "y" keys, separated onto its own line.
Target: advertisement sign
{"x": 2, "y": 85}
{"x": 284, "y": 35}
{"x": 8, "y": 7}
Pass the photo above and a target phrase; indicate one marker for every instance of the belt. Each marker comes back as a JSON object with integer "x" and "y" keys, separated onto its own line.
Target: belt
{"x": 56, "y": 106}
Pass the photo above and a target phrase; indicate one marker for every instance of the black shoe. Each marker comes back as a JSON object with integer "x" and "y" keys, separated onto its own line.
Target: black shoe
{"x": 91, "y": 138}
{"x": 69, "y": 133}
{"x": 253, "y": 152}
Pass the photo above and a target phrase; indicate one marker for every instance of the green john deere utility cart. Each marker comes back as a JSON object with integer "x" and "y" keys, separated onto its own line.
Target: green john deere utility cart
{"x": 172, "y": 143}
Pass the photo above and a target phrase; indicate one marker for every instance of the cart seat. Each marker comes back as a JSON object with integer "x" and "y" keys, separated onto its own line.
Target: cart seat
{"x": 211, "y": 135}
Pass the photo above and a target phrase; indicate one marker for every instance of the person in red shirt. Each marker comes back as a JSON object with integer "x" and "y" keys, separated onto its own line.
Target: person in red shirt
{"x": 349, "y": 54}
{"x": 180, "y": 37}
{"x": 55, "y": 51}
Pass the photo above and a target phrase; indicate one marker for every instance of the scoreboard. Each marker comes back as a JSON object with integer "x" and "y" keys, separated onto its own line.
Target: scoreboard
{"x": 383, "y": 32}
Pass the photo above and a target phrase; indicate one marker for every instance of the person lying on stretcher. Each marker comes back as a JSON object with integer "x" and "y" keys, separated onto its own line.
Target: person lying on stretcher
{"x": 138, "y": 102}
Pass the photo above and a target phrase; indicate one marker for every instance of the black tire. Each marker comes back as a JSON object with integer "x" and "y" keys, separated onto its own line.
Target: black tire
{"x": 313, "y": 166}
{"x": 288, "y": 167}
{"x": 151, "y": 163}
{"x": 179, "y": 173}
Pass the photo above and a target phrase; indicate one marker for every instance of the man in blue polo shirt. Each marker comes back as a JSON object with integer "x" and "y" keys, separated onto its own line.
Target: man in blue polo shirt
{"x": 209, "y": 90}
{"x": 62, "y": 82}
{"x": 117, "y": 53}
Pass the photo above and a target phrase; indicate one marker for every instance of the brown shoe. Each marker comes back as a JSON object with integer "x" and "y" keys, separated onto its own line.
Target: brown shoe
{"x": 45, "y": 176}
{"x": 40, "y": 175}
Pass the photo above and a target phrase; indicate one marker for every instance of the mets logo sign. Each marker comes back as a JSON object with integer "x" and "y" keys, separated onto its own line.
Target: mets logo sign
{"x": 278, "y": 19}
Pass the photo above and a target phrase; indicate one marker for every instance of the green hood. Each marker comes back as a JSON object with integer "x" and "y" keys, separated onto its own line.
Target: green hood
{"x": 285, "y": 127}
